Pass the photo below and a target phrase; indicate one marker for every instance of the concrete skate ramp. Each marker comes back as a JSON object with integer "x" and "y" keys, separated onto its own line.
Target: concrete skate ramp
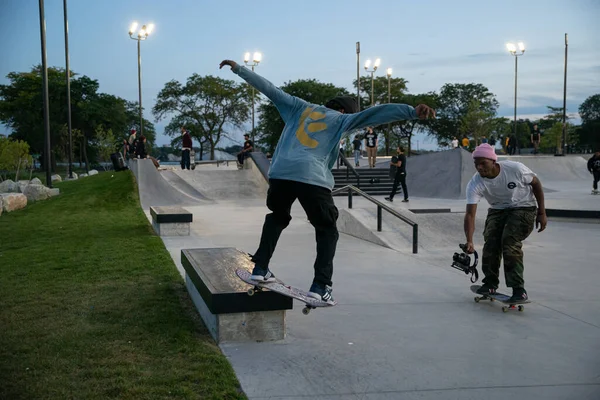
{"x": 179, "y": 184}
{"x": 154, "y": 190}
{"x": 557, "y": 173}
{"x": 443, "y": 174}
{"x": 225, "y": 184}
{"x": 439, "y": 231}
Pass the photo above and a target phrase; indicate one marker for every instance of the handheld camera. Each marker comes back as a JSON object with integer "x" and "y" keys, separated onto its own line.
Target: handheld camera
{"x": 462, "y": 262}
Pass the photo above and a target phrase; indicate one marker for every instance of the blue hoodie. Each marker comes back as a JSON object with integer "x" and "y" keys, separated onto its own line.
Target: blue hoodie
{"x": 309, "y": 143}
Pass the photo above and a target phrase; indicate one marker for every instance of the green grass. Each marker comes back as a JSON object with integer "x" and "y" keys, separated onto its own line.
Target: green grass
{"x": 92, "y": 305}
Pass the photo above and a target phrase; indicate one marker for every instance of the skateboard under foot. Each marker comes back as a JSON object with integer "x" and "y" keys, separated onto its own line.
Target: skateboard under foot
{"x": 281, "y": 288}
{"x": 501, "y": 297}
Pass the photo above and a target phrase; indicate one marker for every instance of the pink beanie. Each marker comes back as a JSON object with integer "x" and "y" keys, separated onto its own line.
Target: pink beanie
{"x": 484, "y": 150}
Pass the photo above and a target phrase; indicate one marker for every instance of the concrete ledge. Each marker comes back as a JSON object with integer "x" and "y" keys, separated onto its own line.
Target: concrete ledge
{"x": 170, "y": 214}
{"x": 222, "y": 300}
{"x": 429, "y": 210}
{"x": 171, "y": 221}
{"x": 576, "y": 214}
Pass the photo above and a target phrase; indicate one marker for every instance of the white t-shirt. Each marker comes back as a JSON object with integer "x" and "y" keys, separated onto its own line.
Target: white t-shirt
{"x": 454, "y": 143}
{"x": 510, "y": 189}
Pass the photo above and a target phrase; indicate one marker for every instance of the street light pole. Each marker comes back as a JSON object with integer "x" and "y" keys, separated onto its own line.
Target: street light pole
{"x": 389, "y": 76}
{"x": 513, "y": 50}
{"x": 255, "y": 61}
{"x": 358, "y": 75}
{"x": 375, "y": 66}
{"x": 68, "y": 76}
{"x": 142, "y": 34}
{"x": 44, "y": 72}
{"x": 564, "y": 149}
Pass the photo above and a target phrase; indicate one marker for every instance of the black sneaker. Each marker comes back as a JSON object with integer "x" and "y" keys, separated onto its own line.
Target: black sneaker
{"x": 486, "y": 289}
{"x": 262, "y": 275}
{"x": 321, "y": 293}
{"x": 519, "y": 295}
{"x": 405, "y": 201}
{"x": 389, "y": 199}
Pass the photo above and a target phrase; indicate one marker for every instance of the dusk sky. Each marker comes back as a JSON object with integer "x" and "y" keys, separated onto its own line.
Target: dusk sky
{"x": 428, "y": 43}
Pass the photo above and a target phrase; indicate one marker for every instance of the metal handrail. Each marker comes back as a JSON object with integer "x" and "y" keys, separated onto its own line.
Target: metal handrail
{"x": 349, "y": 168}
{"x": 380, "y": 207}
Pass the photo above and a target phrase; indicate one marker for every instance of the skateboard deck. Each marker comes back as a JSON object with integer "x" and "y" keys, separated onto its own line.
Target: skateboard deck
{"x": 501, "y": 297}
{"x": 281, "y": 288}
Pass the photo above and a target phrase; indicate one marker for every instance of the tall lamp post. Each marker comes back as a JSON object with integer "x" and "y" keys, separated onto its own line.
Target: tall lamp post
{"x": 512, "y": 48}
{"x": 358, "y": 75}
{"x": 140, "y": 35}
{"x": 256, "y": 58}
{"x": 68, "y": 77}
{"x": 372, "y": 71}
{"x": 388, "y": 72}
{"x": 44, "y": 72}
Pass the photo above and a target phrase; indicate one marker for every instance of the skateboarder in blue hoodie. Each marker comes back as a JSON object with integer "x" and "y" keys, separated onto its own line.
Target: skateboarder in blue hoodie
{"x": 301, "y": 169}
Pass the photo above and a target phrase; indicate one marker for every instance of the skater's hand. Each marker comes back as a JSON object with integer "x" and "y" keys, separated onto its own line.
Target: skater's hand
{"x": 424, "y": 112}
{"x": 470, "y": 248}
{"x": 540, "y": 222}
{"x": 231, "y": 63}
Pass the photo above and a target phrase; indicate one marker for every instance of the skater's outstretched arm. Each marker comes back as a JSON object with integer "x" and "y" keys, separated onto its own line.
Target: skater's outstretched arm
{"x": 285, "y": 103}
{"x": 386, "y": 113}
{"x": 469, "y": 226}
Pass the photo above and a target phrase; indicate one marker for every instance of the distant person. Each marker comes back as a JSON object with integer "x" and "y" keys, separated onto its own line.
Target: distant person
{"x": 593, "y": 166}
{"x": 484, "y": 139}
{"x": 140, "y": 148}
{"x": 492, "y": 141}
{"x": 246, "y": 149}
{"x": 371, "y": 145}
{"x": 454, "y": 142}
{"x": 465, "y": 143}
{"x": 535, "y": 139}
{"x": 125, "y": 149}
{"x": 512, "y": 145}
{"x": 516, "y": 200}
{"x": 357, "y": 145}
{"x": 301, "y": 169}
{"x": 186, "y": 148}
{"x": 132, "y": 142}
{"x": 399, "y": 162}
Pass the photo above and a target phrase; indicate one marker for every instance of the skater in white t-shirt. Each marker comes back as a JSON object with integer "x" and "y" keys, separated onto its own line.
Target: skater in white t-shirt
{"x": 516, "y": 200}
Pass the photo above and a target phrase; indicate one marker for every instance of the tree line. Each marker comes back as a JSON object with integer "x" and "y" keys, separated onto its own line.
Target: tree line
{"x": 212, "y": 109}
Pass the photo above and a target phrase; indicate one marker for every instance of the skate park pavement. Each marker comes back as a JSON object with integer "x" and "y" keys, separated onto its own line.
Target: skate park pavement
{"x": 406, "y": 326}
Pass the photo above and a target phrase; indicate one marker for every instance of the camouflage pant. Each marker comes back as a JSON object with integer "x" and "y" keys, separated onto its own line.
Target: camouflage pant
{"x": 504, "y": 232}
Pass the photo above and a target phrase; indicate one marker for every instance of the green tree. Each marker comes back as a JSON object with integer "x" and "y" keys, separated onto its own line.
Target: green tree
{"x": 476, "y": 122}
{"x": 452, "y": 104}
{"x": 21, "y": 108}
{"x": 208, "y": 106}
{"x": 589, "y": 110}
{"x": 271, "y": 125}
{"x": 589, "y": 131}
{"x": 14, "y": 154}
{"x": 105, "y": 143}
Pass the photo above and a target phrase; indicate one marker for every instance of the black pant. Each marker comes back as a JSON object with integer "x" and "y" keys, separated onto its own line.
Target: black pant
{"x": 322, "y": 213}
{"x": 242, "y": 155}
{"x": 596, "y": 179}
{"x": 400, "y": 178}
{"x": 185, "y": 159}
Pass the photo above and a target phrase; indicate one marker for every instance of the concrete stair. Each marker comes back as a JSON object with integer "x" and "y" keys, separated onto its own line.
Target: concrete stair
{"x": 368, "y": 180}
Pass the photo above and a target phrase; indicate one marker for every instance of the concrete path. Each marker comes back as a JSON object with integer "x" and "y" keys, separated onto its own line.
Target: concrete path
{"x": 407, "y": 327}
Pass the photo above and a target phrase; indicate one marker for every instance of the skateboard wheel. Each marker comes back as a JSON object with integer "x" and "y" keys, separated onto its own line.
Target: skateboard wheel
{"x": 305, "y": 310}
{"x": 504, "y": 309}
{"x": 250, "y": 292}
{"x": 476, "y": 299}
{"x": 521, "y": 308}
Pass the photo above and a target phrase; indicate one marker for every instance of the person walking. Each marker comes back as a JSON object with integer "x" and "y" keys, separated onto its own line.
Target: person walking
{"x": 399, "y": 162}
{"x": 593, "y": 166}
{"x": 186, "y": 148}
